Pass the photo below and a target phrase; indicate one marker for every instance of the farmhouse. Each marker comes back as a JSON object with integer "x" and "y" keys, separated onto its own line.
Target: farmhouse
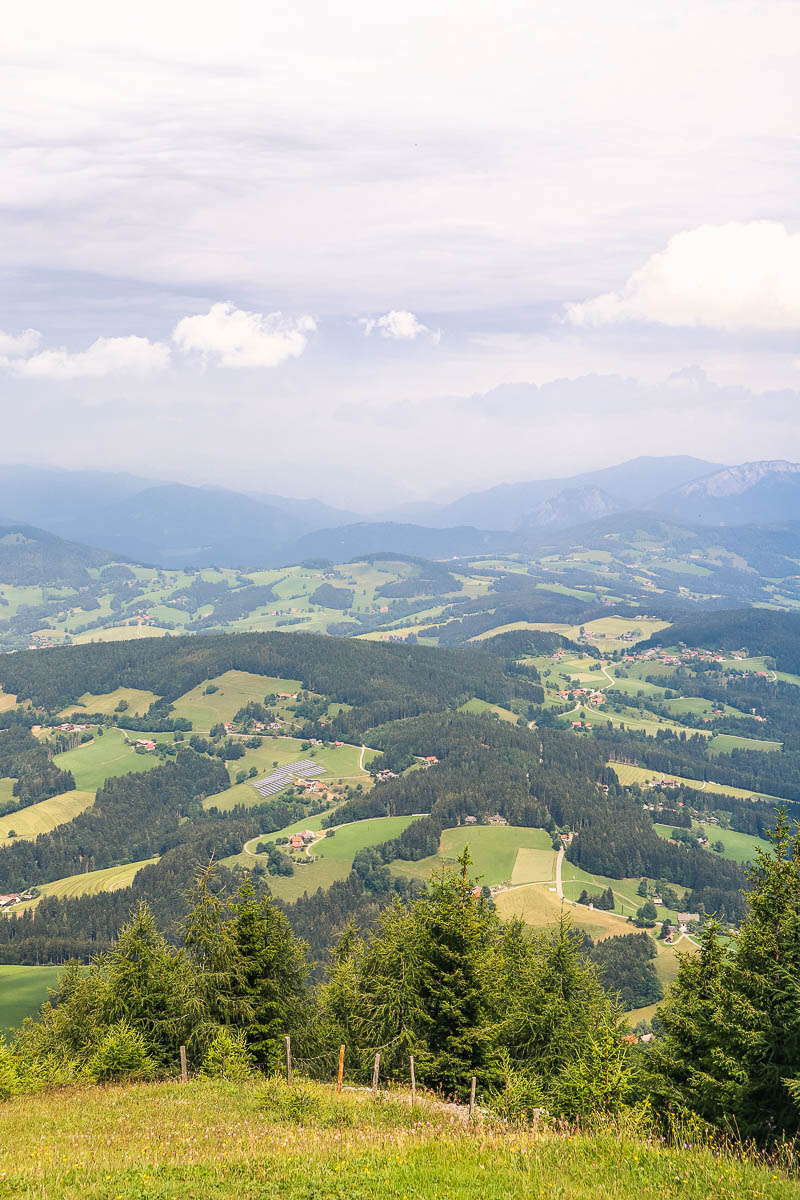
{"x": 11, "y": 898}
{"x": 296, "y": 842}
{"x": 145, "y": 744}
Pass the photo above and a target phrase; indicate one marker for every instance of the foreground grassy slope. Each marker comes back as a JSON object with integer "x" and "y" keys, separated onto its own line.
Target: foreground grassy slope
{"x": 224, "y": 1140}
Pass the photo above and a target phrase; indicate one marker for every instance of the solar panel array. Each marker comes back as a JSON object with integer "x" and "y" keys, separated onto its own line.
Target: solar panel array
{"x": 278, "y": 780}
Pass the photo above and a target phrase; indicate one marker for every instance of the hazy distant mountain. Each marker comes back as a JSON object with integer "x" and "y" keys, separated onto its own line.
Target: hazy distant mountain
{"x": 755, "y": 492}
{"x": 166, "y": 524}
{"x": 350, "y": 541}
{"x": 53, "y": 499}
{"x": 312, "y": 513}
{"x": 516, "y": 505}
{"x": 640, "y": 537}
{"x": 31, "y": 556}
{"x": 174, "y": 525}
{"x": 571, "y": 507}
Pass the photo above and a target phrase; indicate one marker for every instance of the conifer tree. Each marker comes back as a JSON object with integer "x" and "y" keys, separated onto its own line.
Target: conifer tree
{"x": 458, "y": 995}
{"x": 271, "y": 974}
{"x": 732, "y": 1018}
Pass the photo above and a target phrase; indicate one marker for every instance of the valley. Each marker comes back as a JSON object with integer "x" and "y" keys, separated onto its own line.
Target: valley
{"x": 635, "y": 704}
{"x": 636, "y": 710}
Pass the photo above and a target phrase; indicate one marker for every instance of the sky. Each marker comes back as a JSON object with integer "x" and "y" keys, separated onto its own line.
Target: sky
{"x": 378, "y": 253}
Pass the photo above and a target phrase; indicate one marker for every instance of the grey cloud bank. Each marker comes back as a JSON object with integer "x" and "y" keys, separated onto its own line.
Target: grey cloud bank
{"x": 205, "y": 213}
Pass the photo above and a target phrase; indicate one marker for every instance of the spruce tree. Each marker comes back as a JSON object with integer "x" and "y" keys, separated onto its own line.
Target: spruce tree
{"x": 732, "y": 1018}
{"x": 271, "y": 974}
{"x": 457, "y": 992}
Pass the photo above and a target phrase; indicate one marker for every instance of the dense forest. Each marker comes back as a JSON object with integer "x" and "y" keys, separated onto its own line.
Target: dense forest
{"x": 385, "y": 682}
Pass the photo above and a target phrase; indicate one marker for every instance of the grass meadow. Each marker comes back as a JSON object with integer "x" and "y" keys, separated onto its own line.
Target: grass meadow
{"x": 628, "y": 774}
{"x": 574, "y": 880}
{"x": 480, "y": 707}
{"x": 340, "y": 762}
{"x": 89, "y": 883}
{"x": 260, "y": 1140}
{"x": 110, "y": 755}
{"x": 333, "y": 855}
{"x": 138, "y": 702}
{"x": 495, "y": 851}
{"x": 29, "y": 822}
{"x": 23, "y": 990}
{"x": 739, "y": 847}
{"x": 235, "y": 689}
{"x": 723, "y": 743}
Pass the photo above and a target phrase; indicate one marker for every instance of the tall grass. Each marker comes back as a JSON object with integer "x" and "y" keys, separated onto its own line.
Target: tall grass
{"x": 258, "y": 1140}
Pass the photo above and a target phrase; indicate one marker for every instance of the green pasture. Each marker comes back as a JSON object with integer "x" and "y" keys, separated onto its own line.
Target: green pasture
{"x": 333, "y": 856}
{"x": 340, "y": 762}
{"x": 783, "y": 676}
{"x": 7, "y": 701}
{"x": 632, "y": 718}
{"x": 235, "y": 689}
{"x": 739, "y": 847}
{"x": 636, "y": 687}
{"x": 537, "y": 904}
{"x": 120, "y": 633}
{"x": 89, "y": 883}
{"x": 479, "y": 707}
{"x": 110, "y": 755}
{"x": 17, "y": 597}
{"x": 23, "y": 990}
{"x": 499, "y": 853}
{"x": 28, "y": 823}
{"x": 574, "y": 879}
{"x": 628, "y": 774}
{"x": 248, "y": 857}
{"x": 723, "y": 743}
{"x": 138, "y": 702}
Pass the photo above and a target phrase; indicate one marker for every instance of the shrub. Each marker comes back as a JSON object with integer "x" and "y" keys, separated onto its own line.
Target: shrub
{"x": 121, "y": 1054}
{"x": 228, "y": 1057}
{"x": 9, "y": 1071}
{"x": 519, "y": 1097}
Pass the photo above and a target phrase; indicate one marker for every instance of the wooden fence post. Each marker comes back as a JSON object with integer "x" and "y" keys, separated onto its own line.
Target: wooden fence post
{"x": 341, "y": 1069}
{"x": 472, "y": 1098}
{"x": 413, "y": 1083}
{"x": 184, "y": 1068}
{"x": 288, "y": 1041}
{"x": 376, "y": 1073}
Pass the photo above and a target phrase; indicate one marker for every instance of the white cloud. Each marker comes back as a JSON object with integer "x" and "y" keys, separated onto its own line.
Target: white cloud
{"x": 399, "y": 325}
{"x": 106, "y": 356}
{"x": 234, "y": 338}
{"x": 739, "y": 276}
{"x": 23, "y": 343}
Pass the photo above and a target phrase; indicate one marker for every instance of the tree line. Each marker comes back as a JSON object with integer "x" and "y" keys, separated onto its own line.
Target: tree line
{"x": 442, "y": 979}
